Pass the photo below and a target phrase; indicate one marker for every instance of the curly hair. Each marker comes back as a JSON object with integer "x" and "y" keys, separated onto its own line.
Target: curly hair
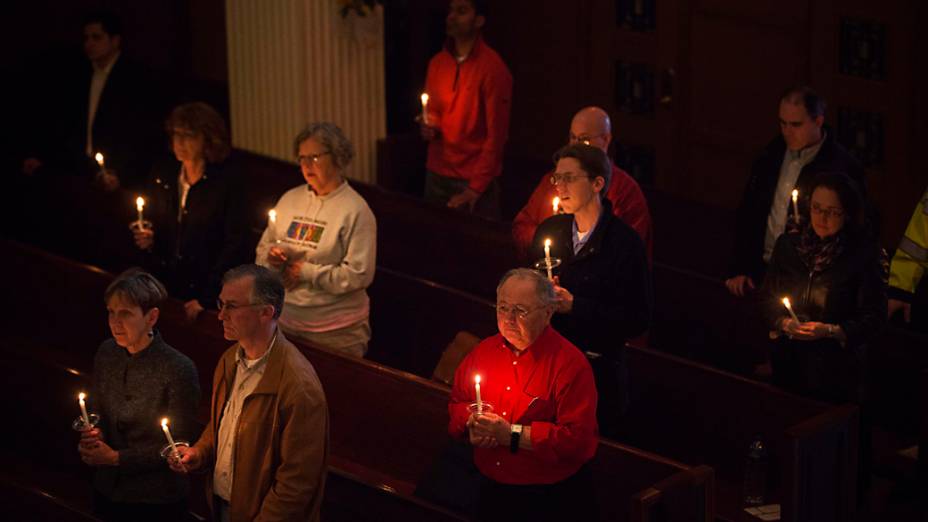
{"x": 331, "y": 137}
{"x": 202, "y": 119}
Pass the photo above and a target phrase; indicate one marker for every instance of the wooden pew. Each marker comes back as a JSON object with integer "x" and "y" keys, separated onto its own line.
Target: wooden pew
{"x": 411, "y": 417}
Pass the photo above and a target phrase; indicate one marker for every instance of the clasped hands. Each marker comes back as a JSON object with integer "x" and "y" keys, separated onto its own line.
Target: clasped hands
{"x": 488, "y": 430}
{"x": 805, "y": 331}
{"x": 290, "y": 268}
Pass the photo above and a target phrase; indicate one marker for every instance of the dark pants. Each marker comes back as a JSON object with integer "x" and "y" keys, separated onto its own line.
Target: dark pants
{"x": 109, "y": 511}
{"x": 440, "y": 189}
{"x": 570, "y": 499}
{"x": 611, "y": 375}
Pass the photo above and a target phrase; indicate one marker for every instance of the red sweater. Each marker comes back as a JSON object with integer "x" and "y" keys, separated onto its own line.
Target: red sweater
{"x": 469, "y": 105}
{"x": 628, "y": 204}
{"x": 556, "y": 380}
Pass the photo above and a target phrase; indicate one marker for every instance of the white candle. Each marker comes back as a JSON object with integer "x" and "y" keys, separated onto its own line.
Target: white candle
{"x": 477, "y": 388}
{"x": 796, "y": 206}
{"x": 789, "y": 307}
{"x": 139, "y": 205}
{"x": 425, "y": 108}
{"x": 167, "y": 433}
{"x": 80, "y": 400}
{"x": 555, "y": 203}
{"x": 99, "y": 157}
{"x": 548, "y": 258}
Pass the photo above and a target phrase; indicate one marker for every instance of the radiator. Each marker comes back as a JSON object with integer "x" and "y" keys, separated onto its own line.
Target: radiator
{"x": 292, "y": 62}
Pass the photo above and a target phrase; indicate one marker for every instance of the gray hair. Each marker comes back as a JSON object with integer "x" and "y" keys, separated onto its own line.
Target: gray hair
{"x": 268, "y": 288}
{"x": 138, "y": 287}
{"x": 544, "y": 288}
{"x": 331, "y": 137}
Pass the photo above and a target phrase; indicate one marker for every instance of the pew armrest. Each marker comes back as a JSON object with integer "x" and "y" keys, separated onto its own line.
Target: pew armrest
{"x": 680, "y": 495}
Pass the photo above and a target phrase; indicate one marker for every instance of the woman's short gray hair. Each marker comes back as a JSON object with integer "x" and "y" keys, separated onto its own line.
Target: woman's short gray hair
{"x": 138, "y": 288}
{"x": 544, "y": 288}
{"x": 331, "y": 137}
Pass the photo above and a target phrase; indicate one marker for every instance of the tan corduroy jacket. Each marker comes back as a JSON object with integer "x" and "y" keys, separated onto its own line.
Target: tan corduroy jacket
{"x": 281, "y": 441}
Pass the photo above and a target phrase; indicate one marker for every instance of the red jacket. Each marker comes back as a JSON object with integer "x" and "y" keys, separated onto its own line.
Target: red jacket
{"x": 469, "y": 105}
{"x": 628, "y": 204}
{"x": 549, "y": 387}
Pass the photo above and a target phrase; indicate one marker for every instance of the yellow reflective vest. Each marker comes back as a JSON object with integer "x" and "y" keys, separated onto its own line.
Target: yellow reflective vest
{"x": 911, "y": 258}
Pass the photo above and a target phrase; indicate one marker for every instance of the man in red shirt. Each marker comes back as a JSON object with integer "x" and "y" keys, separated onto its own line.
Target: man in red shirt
{"x": 467, "y": 120}
{"x": 592, "y": 126}
{"x": 537, "y": 429}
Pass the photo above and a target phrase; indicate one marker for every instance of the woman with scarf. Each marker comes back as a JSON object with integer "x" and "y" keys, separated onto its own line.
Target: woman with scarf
{"x": 831, "y": 271}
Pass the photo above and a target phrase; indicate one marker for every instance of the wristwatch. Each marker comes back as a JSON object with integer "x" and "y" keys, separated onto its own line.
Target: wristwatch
{"x": 514, "y": 437}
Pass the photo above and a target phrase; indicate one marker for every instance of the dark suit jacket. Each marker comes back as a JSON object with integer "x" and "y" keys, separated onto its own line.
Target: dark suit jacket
{"x": 751, "y": 216}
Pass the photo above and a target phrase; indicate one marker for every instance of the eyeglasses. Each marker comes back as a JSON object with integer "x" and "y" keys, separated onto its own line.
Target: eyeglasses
{"x": 566, "y": 179}
{"x": 310, "y": 158}
{"x": 586, "y": 139}
{"x": 230, "y": 307}
{"x": 505, "y": 310}
{"x": 827, "y": 213}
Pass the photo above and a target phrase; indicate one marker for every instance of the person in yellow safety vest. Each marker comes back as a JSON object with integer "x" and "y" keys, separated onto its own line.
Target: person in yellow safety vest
{"x": 909, "y": 262}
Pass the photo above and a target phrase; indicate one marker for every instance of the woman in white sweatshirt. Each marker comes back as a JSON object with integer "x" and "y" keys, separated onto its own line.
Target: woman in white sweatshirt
{"x": 324, "y": 242}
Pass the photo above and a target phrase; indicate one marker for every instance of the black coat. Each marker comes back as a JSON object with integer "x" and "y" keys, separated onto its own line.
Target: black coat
{"x": 609, "y": 279}
{"x": 850, "y": 292}
{"x": 751, "y": 216}
{"x": 192, "y": 254}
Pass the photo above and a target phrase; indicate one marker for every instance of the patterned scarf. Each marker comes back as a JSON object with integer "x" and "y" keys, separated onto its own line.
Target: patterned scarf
{"x": 818, "y": 253}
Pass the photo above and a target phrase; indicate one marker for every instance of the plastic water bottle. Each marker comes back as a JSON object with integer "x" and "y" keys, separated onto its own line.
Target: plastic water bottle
{"x": 755, "y": 473}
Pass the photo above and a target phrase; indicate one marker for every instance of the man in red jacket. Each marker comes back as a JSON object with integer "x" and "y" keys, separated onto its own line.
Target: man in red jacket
{"x": 592, "y": 126}
{"x": 467, "y": 117}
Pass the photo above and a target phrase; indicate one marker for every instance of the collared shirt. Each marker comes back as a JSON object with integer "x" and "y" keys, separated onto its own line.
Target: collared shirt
{"x": 549, "y": 386}
{"x": 247, "y": 375}
{"x": 97, "y": 83}
{"x": 580, "y": 238}
{"x": 793, "y": 163}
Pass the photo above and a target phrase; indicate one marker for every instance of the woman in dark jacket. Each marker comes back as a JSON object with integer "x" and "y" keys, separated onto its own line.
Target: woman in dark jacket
{"x": 831, "y": 272}
{"x": 195, "y": 205}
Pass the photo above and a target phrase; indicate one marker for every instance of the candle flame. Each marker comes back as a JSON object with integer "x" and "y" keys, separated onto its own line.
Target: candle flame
{"x": 795, "y": 194}
{"x": 555, "y": 203}
{"x": 81, "y": 396}
{"x": 99, "y": 158}
{"x": 272, "y": 215}
{"x": 164, "y": 422}
{"x": 547, "y": 242}
{"x": 140, "y": 203}
{"x": 424, "y": 98}
{"x": 477, "y": 379}
{"x": 786, "y": 302}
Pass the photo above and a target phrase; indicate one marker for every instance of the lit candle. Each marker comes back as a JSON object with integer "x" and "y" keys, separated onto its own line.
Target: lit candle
{"x": 80, "y": 400}
{"x": 272, "y": 216}
{"x": 477, "y": 388}
{"x": 99, "y": 157}
{"x": 789, "y": 307}
{"x": 548, "y": 258}
{"x": 796, "y": 206}
{"x": 167, "y": 433}
{"x": 425, "y": 108}
{"x": 555, "y": 203}
{"x": 139, "y": 205}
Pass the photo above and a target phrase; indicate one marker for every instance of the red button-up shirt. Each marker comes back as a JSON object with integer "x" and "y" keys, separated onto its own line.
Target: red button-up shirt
{"x": 628, "y": 204}
{"x": 469, "y": 103}
{"x": 549, "y": 387}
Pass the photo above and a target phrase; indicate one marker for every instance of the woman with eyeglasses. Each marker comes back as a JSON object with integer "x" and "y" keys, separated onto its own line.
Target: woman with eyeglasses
{"x": 138, "y": 379}
{"x": 323, "y": 240}
{"x": 194, "y": 203}
{"x": 831, "y": 270}
{"x": 603, "y": 283}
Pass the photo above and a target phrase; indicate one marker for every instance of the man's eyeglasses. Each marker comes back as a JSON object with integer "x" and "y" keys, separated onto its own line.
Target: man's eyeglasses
{"x": 229, "y": 307}
{"x": 505, "y": 310}
{"x": 585, "y": 139}
{"x": 310, "y": 159}
{"x": 827, "y": 213}
{"x": 566, "y": 179}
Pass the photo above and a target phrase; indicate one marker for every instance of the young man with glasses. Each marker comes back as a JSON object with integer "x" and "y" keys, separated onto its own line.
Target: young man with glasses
{"x": 266, "y": 444}
{"x": 592, "y": 126}
{"x": 603, "y": 283}
{"x": 537, "y": 428}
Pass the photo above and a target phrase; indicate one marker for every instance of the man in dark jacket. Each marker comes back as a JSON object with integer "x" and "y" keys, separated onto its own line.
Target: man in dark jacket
{"x": 804, "y": 149}
{"x": 603, "y": 283}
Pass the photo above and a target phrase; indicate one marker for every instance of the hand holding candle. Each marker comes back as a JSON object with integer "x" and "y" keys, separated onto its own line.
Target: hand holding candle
{"x": 789, "y": 308}
{"x": 796, "y": 206}
{"x": 84, "y": 416}
{"x": 477, "y": 388}
{"x": 548, "y": 258}
{"x": 425, "y": 108}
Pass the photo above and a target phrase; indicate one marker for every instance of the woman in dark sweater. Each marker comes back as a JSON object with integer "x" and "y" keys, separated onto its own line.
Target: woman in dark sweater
{"x": 137, "y": 380}
{"x": 831, "y": 271}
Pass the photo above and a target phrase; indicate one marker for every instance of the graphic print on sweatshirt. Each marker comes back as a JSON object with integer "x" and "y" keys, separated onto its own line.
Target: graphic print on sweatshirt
{"x": 306, "y": 231}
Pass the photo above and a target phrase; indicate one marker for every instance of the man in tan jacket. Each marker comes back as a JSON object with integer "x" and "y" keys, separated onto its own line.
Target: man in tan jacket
{"x": 268, "y": 435}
